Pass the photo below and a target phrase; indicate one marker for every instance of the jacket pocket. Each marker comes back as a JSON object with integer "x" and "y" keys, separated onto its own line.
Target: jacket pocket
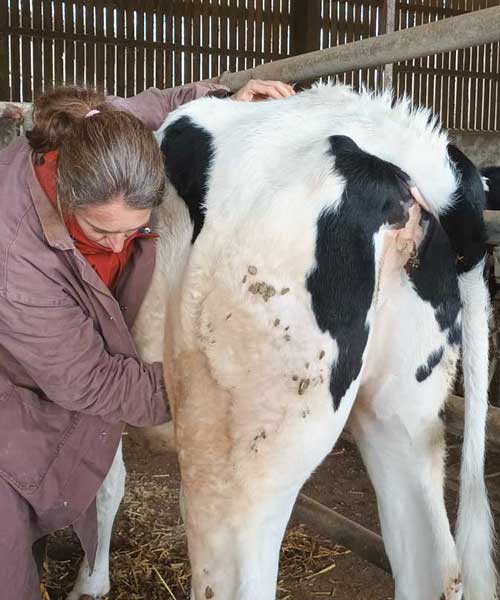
{"x": 32, "y": 433}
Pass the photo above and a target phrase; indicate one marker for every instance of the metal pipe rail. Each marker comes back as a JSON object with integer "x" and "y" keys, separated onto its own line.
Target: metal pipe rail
{"x": 471, "y": 29}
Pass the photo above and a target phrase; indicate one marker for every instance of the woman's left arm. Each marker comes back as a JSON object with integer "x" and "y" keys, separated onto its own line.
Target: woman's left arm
{"x": 153, "y": 105}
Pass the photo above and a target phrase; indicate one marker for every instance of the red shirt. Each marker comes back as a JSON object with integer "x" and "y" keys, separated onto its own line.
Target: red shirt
{"x": 108, "y": 264}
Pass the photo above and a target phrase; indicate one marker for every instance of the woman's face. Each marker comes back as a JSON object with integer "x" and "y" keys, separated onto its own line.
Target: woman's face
{"x": 111, "y": 224}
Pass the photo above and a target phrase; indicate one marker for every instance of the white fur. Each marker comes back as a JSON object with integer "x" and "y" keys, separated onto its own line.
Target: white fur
{"x": 475, "y": 523}
{"x": 96, "y": 583}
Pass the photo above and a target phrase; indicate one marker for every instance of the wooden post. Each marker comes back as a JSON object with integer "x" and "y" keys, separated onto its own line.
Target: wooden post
{"x": 305, "y": 26}
{"x": 305, "y": 29}
{"x": 389, "y": 16}
{"x": 4, "y": 53}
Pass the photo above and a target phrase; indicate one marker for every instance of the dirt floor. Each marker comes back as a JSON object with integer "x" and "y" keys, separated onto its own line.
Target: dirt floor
{"x": 149, "y": 558}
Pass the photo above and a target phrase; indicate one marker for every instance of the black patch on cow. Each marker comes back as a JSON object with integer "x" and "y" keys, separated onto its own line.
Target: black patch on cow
{"x": 455, "y": 335}
{"x": 343, "y": 281}
{"x": 425, "y": 371}
{"x": 492, "y": 174}
{"x": 463, "y": 222}
{"x": 188, "y": 153}
{"x": 435, "y": 279}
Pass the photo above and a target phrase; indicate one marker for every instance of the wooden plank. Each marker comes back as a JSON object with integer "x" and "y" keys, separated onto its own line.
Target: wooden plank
{"x": 205, "y": 38}
{"x": 401, "y": 78}
{"x": 15, "y": 56}
{"x": 69, "y": 21}
{"x": 420, "y": 85}
{"x": 121, "y": 73}
{"x": 284, "y": 20}
{"x": 430, "y": 80}
{"x": 343, "y": 34}
{"x": 365, "y": 18}
{"x": 460, "y": 122}
{"x": 480, "y": 104}
{"x": 436, "y": 61}
{"x": 169, "y": 36}
{"x": 388, "y": 22}
{"x": 79, "y": 46}
{"x": 178, "y": 42}
{"x": 443, "y": 90}
{"x": 352, "y": 77}
{"x": 213, "y": 36}
{"x": 224, "y": 39}
{"x": 149, "y": 36}
{"x": 488, "y": 87}
{"x": 275, "y": 30}
{"x": 305, "y": 26}
{"x": 4, "y": 52}
{"x": 259, "y": 28}
{"x": 100, "y": 52}
{"x": 251, "y": 35}
{"x": 58, "y": 43}
{"x": 187, "y": 51}
{"x": 26, "y": 48}
{"x": 130, "y": 88}
{"x": 159, "y": 52}
{"x": 140, "y": 54}
{"x": 197, "y": 13}
{"x": 236, "y": 21}
{"x": 89, "y": 46}
{"x": 243, "y": 26}
{"x": 326, "y": 522}
{"x": 110, "y": 50}
{"x": 496, "y": 92}
{"x": 472, "y": 82}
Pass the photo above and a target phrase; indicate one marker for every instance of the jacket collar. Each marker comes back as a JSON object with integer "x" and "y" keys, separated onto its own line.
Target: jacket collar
{"x": 51, "y": 221}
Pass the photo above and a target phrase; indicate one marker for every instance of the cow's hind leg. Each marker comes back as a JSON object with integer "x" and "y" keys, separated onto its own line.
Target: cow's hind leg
{"x": 406, "y": 469}
{"x": 235, "y": 556}
{"x": 396, "y": 424}
{"x": 96, "y": 584}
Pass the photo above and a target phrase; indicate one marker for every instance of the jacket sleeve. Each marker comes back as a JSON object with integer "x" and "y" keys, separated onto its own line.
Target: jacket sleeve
{"x": 153, "y": 105}
{"x": 70, "y": 364}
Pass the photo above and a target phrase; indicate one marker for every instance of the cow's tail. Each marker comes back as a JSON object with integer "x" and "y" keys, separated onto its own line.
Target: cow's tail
{"x": 474, "y": 524}
{"x": 474, "y": 533}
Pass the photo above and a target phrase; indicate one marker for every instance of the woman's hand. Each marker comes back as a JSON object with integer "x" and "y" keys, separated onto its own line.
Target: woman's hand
{"x": 257, "y": 89}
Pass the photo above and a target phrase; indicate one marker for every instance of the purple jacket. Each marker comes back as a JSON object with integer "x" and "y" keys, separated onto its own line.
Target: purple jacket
{"x": 70, "y": 376}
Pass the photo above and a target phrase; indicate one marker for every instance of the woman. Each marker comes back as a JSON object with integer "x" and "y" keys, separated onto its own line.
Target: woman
{"x": 76, "y": 257}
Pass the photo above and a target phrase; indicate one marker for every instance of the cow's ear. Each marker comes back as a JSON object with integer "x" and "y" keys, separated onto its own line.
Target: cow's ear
{"x": 188, "y": 152}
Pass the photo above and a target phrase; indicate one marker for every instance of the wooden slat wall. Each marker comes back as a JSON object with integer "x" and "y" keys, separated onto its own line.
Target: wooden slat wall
{"x": 124, "y": 46}
{"x": 460, "y": 86}
{"x": 344, "y": 21}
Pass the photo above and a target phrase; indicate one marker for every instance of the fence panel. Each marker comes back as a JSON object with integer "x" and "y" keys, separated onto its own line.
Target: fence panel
{"x": 123, "y": 46}
{"x": 460, "y": 86}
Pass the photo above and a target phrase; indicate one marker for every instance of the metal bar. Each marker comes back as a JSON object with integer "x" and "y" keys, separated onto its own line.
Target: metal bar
{"x": 479, "y": 27}
{"x": 455, "y": 420}
{"x": 343, "y": 531}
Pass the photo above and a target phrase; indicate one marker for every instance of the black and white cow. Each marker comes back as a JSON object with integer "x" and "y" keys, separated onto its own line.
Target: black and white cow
{"x": 294, "y": 304}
